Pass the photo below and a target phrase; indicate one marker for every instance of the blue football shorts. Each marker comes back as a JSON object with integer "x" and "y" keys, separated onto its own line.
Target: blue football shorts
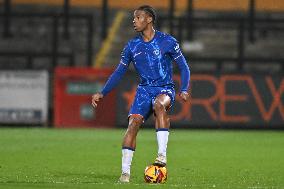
{"x": 145, "y": 97}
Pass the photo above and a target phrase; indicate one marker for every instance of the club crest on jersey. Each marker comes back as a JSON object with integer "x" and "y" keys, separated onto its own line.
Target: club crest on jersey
{"x": 156, "y": 52}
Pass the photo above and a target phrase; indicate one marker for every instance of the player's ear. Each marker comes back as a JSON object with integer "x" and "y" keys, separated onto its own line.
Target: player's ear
{"x": 149, "y": 19}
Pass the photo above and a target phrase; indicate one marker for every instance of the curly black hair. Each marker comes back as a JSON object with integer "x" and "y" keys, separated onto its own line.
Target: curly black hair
{"x": 149, "y": 10}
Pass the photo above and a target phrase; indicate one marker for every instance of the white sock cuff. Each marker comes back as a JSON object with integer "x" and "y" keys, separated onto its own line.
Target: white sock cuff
{"x": 162, "y": 129}
{"x": 128, "y": 148}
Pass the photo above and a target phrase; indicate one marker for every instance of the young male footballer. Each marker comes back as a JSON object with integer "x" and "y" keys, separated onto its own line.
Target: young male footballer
{"x": 152, "y": 54}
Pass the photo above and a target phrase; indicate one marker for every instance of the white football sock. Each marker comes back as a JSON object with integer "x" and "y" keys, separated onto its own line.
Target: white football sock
{"x": 127, "y": 154}
{"x": 162, "y": 138}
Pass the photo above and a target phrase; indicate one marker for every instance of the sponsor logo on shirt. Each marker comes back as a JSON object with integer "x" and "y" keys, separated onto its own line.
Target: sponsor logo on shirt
{"x": 136, "y": 54}
{"x": 176, "y": 47}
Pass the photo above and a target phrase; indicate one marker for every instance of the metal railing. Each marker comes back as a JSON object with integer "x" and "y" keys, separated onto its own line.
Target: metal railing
{"x": 8, "y": 17}
{"x": 240, "y": 24}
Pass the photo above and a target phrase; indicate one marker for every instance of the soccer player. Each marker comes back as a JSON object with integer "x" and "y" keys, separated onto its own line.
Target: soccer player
{"x": 152, "y": 53}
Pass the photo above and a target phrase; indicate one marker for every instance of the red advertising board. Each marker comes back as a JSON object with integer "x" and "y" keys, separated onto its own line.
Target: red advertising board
{"x": 73, "y": 89}
{"x": 232, "y": 100}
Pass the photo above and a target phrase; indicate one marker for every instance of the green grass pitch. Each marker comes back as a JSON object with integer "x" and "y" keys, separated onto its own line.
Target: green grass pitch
{"x": 91, "y": 158}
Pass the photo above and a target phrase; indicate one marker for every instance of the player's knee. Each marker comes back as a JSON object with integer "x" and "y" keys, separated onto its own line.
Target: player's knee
{"x": 134, "y": 125}
{"x": 159, "y": 107}
{"x": 135, "y": 121}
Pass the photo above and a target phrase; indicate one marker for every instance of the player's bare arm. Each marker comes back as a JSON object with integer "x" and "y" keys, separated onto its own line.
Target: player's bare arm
{"x": 96, "y": 98}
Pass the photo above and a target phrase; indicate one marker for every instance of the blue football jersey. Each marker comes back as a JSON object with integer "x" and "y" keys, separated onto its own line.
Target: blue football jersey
{"x": 153, "y": 62}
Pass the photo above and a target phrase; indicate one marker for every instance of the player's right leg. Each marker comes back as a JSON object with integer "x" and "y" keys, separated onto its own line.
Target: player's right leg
{"x": 139, "y": 111}
{"x": 129, "y": 145}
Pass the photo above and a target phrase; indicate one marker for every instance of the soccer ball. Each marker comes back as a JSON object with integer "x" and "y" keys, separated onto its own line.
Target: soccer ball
{"x": 155, "y": 174}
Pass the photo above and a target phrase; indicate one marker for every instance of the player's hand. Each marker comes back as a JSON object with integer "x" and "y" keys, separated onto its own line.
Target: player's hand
{"x": 184, "y": 96}
{"x": 95, "y": 98}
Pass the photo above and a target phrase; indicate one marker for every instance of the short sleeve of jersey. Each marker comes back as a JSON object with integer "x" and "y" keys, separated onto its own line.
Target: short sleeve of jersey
{"x": 126, "y": 56}
{"x": 174, "y": 48}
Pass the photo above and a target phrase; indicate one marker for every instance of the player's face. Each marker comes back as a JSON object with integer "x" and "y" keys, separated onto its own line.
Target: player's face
{"x": 141, "y": 20}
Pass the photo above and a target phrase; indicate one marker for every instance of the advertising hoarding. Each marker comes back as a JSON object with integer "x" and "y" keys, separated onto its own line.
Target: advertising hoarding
{"x": 73, "y": 90}
{"x": 23, "y": 97}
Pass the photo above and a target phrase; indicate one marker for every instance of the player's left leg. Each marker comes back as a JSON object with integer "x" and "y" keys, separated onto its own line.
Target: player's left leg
{"x": 162, "y": 123}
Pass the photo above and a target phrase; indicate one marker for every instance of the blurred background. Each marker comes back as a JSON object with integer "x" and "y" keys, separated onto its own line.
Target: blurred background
{"x": 54, "y": 54}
